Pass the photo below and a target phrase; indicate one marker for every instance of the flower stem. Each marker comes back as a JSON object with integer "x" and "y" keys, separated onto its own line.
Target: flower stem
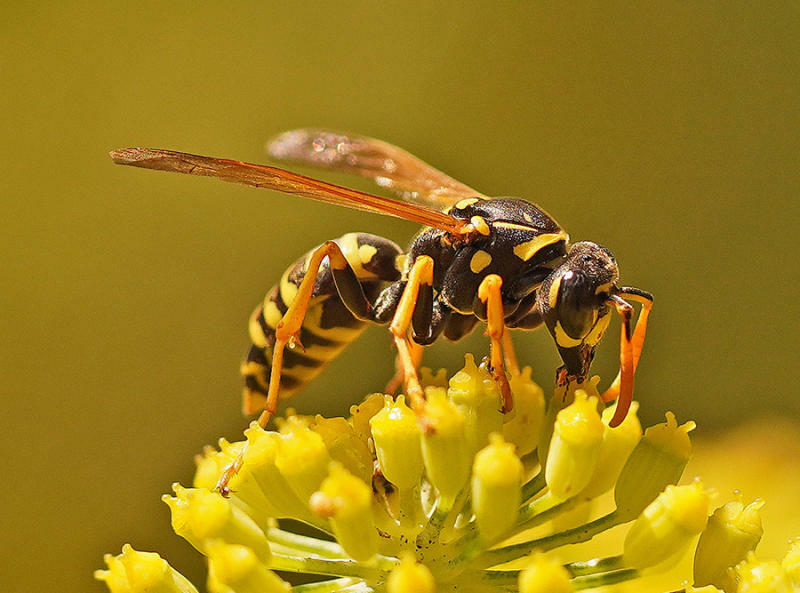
{"x": 604, "y": 579}
{"x": 331, "y": 586}
{"x": 303, "y": 543}
{"x": 595, "y": 566}
{"x": 331, "y": 567}
{"x": 576, "y": 535}
{"x": 534, "y": 486}
{"x": 541, "y": 510}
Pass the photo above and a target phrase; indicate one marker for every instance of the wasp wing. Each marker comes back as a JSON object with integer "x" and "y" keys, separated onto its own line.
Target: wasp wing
{"x": 284, "y": 181}
{"x": 389, "y": 166}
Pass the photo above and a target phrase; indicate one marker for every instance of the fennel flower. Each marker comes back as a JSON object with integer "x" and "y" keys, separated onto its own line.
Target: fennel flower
{"x": 472, "y": 503}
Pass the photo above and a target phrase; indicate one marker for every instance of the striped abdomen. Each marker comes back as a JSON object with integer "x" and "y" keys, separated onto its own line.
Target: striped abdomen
{"x": 328, "y": 326}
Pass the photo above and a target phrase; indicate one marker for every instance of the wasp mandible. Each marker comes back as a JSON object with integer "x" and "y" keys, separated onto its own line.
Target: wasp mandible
{"x": 502, "y": 261}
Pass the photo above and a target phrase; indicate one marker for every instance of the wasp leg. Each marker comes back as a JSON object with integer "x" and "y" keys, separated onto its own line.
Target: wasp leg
{"x": 429, "y": 319}
{"x": 399, "y": 375}
{"x": 421, "y": 274}
{"x": 510, "y": 355}
{"x": 626, "y": 364}
{"x": 489, "y": 293}
{"x": 288, "y": 332}
{"x": 646, "y": 299}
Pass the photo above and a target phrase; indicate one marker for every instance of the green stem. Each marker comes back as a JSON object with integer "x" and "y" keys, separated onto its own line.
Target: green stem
{"x": 500, "y": 578}
{"x": 331, "y": 567}
{"x": 533, "y": 487}
{"x": 576, "y": 535}
{"x": 409, "y": 505}
{"x": 533, "y": 514}
{"x": 595, "y": 566}
{"x": 331, "y": 586}
{"x": 541, "y": 510}
{"x": 461, "y": 500}
{"x": 302, "y": 543}
{"x": 602, "y": 580}
{"x": 431, "y": 531}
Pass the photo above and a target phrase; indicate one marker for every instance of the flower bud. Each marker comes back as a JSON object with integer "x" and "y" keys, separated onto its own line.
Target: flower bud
{"x": 210, "y": 466}
{"x": 360, "y": 414}
{"x": 562, "y": 397}
{"x": 572, "y": 456}
{"x": 141, "y": 572}
{"x": 544, "y": 575}
{"x": 496, "y": 486}
{"x": 347, "y": 502}
{"x": 761, "y": 576}
{"x": 791, "y": 563}
{"x": 199, "y": 515}
{"x": 474, "y": 392}
{"x": 344, "y": 446}
{"x": 397, "y": 443}
{"x": 444, "y": 447}
{"x": 667, "y": 525}
{"x": 245, "y": 491}
{"x": 733, "y": 530}
{"x": 260, "y": 461}
{"x": 302, "y": 458}
{"x": 410, "y": 576}
{"x": 427, "y": 378}
{"x": 237, "y": 569}
{"x": 525, "y": 425}
{"x": 615, "y": 448}
{"x": 657, "y": 461}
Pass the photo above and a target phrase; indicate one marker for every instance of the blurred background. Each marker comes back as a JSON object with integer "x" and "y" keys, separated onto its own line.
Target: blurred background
{"x": 667, "y": 132}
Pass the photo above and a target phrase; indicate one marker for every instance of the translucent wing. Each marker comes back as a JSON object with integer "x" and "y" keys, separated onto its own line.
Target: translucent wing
{"x": 283, "y": 181}
{"x": 389, "y": 166}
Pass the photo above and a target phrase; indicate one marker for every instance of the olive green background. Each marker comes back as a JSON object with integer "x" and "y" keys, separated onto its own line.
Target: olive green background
{"x": 665, "y": 131}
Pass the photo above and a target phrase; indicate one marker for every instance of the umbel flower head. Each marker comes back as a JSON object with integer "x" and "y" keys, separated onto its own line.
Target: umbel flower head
{"x": 474, "y": 503}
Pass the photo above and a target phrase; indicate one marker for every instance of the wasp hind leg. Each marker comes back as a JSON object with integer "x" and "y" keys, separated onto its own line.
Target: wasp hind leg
{"x": 287, "y": 331}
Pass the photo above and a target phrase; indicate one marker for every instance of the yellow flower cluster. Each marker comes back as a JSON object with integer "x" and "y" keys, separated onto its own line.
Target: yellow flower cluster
{"x": 474, "y": 502}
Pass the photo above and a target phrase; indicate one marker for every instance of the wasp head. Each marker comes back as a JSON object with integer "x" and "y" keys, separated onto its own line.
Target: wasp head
{"x": 573, "y": 300}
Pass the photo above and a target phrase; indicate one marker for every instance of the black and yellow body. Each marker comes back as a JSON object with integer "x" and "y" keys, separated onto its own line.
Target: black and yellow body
{"x": 502, "y": 261}
{"x": 328, "y": 326}
{"x": 513, "y": 239}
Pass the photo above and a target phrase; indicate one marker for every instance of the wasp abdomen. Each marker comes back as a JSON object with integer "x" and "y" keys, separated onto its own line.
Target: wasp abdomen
{"x": 328, "y": 326}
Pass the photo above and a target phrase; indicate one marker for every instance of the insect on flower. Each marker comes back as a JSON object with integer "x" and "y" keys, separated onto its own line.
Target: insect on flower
{"x": 502, "y": 261}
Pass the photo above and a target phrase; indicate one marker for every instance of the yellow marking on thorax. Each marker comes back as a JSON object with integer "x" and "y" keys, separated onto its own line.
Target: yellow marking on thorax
{"x": 480, "y": 225}
{"x": 552, "y": 295}
{"x": 479, "y": 261}
{"x": 460, "y": 205}
{"x": 528, "y": 249}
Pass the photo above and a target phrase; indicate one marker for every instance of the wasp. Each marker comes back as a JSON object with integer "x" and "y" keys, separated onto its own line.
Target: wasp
{"x": 501, "y": 261}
